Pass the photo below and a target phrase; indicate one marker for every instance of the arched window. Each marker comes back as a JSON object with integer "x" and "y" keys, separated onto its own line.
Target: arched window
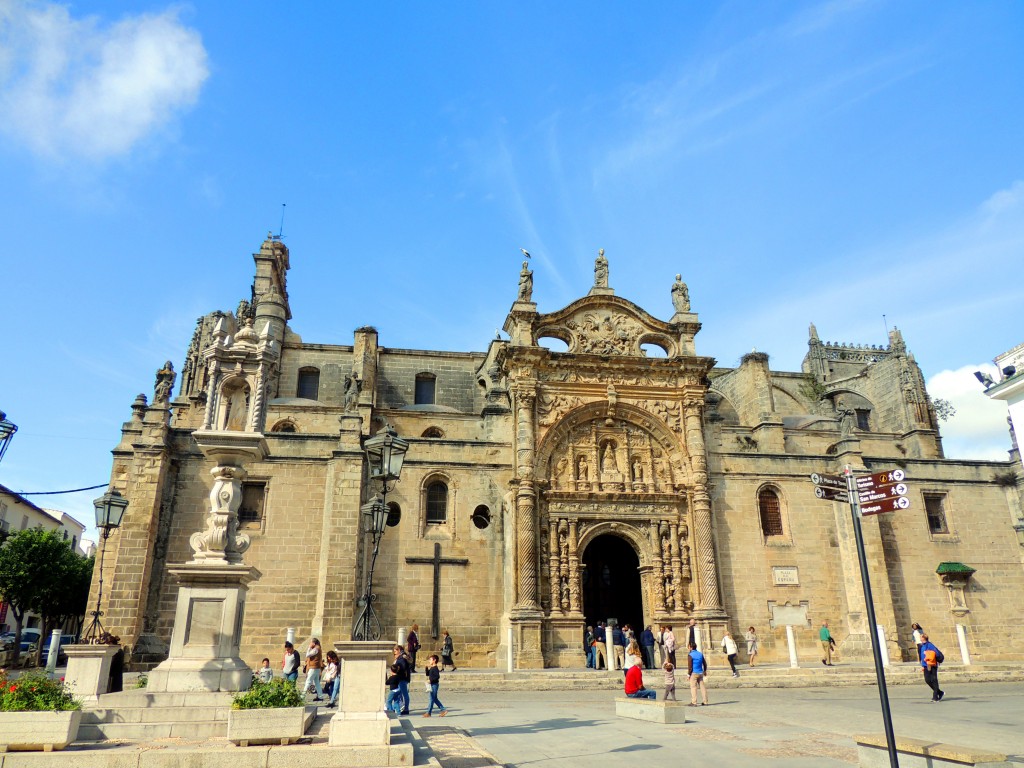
{"x": 284, "y": 426}
{"x": 426, "y": 384}
{"x": 433, "y": 432}
{"x": 309, "y": 383}
{"x": 771, "y": 513}
{"x": 437, "y": 503}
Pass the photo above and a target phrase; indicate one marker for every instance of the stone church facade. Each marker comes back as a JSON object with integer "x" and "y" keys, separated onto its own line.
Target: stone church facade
{"x": 625, "y": 477}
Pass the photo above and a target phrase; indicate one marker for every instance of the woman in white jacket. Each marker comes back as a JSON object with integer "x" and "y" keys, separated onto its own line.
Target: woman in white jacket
{"x": 729, "y": 646}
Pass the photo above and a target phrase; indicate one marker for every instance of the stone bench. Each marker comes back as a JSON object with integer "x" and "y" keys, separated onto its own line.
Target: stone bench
{"x": 873, "y": 752}
{"x": 651, "y": 710}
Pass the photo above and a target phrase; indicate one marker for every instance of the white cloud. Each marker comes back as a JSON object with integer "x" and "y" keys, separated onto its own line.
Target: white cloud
{"x": 978, "y": 430}
{"x": 75, "y": 87}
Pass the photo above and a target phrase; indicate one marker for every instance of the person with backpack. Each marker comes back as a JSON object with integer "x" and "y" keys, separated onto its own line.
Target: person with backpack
{"x": 931, "y": 657}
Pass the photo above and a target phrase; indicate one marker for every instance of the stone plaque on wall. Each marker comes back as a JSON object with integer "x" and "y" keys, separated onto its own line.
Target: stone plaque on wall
{"x": 785, "y": 576}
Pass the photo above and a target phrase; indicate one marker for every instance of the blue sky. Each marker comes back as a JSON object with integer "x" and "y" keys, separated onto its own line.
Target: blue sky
{"x": 829, "y": 162}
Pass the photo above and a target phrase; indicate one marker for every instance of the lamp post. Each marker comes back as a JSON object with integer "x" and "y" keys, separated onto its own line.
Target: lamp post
{"x": 110, "y": 509}
{"x": 7, "y": 430}
{"x": 385, "y": 452}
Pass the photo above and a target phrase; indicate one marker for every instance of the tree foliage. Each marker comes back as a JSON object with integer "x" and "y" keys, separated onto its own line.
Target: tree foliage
{"x": 39, "y": 571}
{"x": 944, "y": 410}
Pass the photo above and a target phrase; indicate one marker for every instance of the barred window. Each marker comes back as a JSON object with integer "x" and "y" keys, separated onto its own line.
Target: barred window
{"x": 309, "y": 383}
{"x": 425, "y": 389}
{"x": 250, "y": 512}
{"x": 771, "y": 513}
{"x": 935, "y": 509}
{"x": 437, "y": 503}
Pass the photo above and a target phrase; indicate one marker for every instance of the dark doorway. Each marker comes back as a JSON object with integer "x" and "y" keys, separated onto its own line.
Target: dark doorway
{"x": 611, "y": 583}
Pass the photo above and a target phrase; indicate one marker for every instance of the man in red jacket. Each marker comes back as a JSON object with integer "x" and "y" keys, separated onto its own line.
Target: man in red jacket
{"x": 635, "y": 684}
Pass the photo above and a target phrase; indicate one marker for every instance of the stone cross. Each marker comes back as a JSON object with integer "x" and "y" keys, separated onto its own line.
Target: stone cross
{"x": 437, "y": 561}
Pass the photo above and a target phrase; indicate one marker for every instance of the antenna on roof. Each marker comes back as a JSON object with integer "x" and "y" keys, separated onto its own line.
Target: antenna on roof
{"x": 886, "y": 324}
{"x": 280, "y": 231}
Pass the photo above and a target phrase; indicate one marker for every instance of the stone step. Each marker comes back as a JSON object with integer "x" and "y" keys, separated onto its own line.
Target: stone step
{"x": 141, "y": 698}
{"x": 183, "y": 714}
{"x": 122, "y": 731}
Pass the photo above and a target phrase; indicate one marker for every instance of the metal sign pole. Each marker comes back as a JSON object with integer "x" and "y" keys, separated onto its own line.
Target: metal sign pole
{"x": 883, "y": 692}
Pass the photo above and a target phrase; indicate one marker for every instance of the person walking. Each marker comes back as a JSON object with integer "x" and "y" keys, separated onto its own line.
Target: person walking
{"x": 730, "y": 650}
{"x": 433, "y": 683}
{"x": 447, "y": 652}
{"x": 647, "y": 643}
{"x": 634, "y": 685}
{"x": 600, "y": 648}
{"x": 827, "y": 644}
{"x": 696, "y": 671}
{"x": 314, "y": 665}
{"x": 931, "y": 657}
{"x": 619, "y": 641}
{"x": 659, "y": 638}
{"x": 691, "y": 633}
{"x": 290, "y": 665}
{"x": 404, "y": 676}
{"x": 412, "y": 646}
{"x": 670, "y": 681}
{"x": 751, "y": 645}
{"x": 393, "y": 682}
{"x": 330, "y": 679}
{"x": 588, "y": 647}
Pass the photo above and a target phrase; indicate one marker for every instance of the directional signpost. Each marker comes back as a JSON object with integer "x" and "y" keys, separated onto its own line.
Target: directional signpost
{"x": 868, "y": 495}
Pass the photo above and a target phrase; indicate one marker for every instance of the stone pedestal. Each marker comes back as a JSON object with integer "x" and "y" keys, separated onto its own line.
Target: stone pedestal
{"x": 204, "y": 654}
{"x": 527, "y": 628}
{"x": 361, "y": 719}
{"x": 88, "y": 669}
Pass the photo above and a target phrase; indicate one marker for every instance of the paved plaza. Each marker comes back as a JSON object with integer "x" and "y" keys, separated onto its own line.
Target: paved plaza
{"x": 741, "y": 727}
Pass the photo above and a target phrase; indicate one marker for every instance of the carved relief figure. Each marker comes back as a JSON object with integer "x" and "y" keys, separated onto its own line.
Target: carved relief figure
{"x": 582, "y": 470}
{"x": 638, "y": 470}
{"x": 164, "y": 383}
{"x": 237, "y": 410}
{"x": 680, "y": 295}
{"x": 608, "y": 464}
{"x": 560, "y": 470}
{"x": 525, "y": 283}
{"x": 600, "y": 270}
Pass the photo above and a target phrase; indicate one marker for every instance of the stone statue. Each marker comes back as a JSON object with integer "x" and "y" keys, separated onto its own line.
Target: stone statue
{"x": 582, "y": 470}
{"x": 680, "y": 295}
{"x": 600, "y": 270}
{"x": 608, "y": 463}
{"x": 847, "y": 422}
{"x": 525, "y": 283}
{"x": 237, "y": 409}
{"x": 638, "y": 470}
{"x": 164, "y": 384}
{"x": 352, "y": 388}
{"x": 243, "y": 312}
{"x": 560, "y": 468}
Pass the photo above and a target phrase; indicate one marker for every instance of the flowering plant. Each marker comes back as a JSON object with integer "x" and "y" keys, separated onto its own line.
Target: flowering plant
{"x": 277, "y": 693}
{"x": 34, "y": 692}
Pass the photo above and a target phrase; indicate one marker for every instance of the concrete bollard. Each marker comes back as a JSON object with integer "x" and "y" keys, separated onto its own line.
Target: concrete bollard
{"x": 961, "y": 636}
{"x": 882, "y": 645}
{"x": 290, "y": 635}
{"x": 791, "y": 641}
{"x": 511, "y": 651}
{"x": 51, "y": 659}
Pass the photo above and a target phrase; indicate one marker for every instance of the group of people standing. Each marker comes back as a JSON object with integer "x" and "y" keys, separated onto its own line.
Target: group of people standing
{"x": 323, "y": 670}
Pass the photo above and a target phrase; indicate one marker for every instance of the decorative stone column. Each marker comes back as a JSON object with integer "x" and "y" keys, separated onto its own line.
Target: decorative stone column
{"x": 710, "y": 603}
{"x": 526, "y": 615}
{"x": 205, "y": 641}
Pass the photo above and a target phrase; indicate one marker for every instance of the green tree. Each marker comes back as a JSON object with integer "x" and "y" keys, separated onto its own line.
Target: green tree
{"x": 34, "y": 565}
{"x": 65, "y": 596}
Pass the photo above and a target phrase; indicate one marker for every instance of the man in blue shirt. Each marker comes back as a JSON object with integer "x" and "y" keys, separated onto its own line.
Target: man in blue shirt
{"x": 647, "y": 643}
{"x": 697, "y": 670}
{"x": 931, "y": 657}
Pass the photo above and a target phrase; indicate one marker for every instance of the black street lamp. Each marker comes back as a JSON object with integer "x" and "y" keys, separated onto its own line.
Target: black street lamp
{"x": 385, "y": 453}
{"x": 7, "y": 430}
{"x": 110, "y": 509}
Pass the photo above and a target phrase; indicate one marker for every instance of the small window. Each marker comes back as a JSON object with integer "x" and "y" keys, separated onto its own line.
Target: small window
{"x": 863, "y": 419}
{"x": 284, "y": 426}
{"x": 425, "y": 388}
{"x": 74, "y": 543}
{"x": 437, "y": 503}
{"x": 481, "y": 517}
{"x": 935, "y": 509}
{"x": 24, "y": 522}
{"x": 65, "y": 532}
{"x": 433, "y": 432}
{"x": 309, "y": 384}
{"x": 250, "y": 513}
{"x": 394, "y": 514}
{"x": 771, "y": 513}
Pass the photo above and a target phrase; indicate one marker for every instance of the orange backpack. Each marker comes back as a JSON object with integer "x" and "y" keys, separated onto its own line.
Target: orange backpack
{"x": 931, "y": 658}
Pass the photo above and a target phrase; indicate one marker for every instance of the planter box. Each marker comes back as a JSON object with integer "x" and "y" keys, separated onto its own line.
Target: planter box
{"x": 283, "y": 725}
{"x": 35, "y": 731}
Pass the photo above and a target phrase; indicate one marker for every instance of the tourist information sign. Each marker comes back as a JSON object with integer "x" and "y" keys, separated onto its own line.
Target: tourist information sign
{"x": 868, "y": 495}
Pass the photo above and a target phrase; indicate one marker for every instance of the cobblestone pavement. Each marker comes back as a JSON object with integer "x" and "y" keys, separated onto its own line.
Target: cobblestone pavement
{"x": 757, "y": 727}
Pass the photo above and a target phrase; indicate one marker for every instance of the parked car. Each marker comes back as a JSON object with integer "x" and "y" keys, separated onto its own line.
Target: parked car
{"x": 62, "y": 657}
